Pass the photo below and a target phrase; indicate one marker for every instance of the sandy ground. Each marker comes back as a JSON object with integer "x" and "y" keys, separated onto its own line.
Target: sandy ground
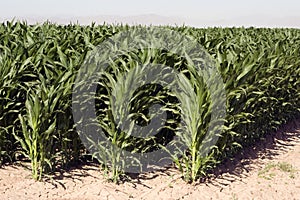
{"x": 254, "y": 174}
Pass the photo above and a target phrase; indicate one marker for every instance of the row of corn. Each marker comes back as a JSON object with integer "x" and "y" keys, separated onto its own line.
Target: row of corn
{"x": 260, "y": 69}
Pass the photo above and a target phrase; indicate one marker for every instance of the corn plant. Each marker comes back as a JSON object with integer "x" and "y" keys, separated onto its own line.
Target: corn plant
{"x": 36, "y": 132}
{"x": 38, "y": 63}
{"x": 11, "y": 96}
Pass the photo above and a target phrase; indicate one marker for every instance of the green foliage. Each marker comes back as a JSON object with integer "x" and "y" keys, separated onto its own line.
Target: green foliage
{"x": 38, "y": 65}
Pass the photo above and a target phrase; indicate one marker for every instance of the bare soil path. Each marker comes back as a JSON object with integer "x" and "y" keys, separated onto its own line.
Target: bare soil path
{"x": 270, "y": 170}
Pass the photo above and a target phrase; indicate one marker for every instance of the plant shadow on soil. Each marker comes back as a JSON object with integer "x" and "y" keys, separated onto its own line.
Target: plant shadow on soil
{"x": 273, "y": 144}
{"x": 226, "y": 172}
{"x": 88, "y": 167}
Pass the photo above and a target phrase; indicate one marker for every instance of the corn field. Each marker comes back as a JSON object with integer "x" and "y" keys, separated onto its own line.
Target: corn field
{"x": 260, "y": 68}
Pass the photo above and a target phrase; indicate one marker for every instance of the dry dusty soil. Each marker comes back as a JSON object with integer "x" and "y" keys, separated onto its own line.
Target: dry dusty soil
{"x": 270, "y": 170}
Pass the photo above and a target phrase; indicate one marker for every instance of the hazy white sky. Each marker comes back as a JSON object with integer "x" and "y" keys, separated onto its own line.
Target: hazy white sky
{"x": 193, "y": 9}
{"x": 189, "y": 8}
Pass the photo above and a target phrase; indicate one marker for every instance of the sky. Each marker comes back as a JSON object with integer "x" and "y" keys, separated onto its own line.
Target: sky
{"x": 189, "y": 10}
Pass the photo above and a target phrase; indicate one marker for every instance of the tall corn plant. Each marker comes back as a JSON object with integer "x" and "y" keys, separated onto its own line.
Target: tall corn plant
{"x": 11, "y": 96}
{"x": 44, "y": 118}
{"x": 37, "y": 130}
{"x": 201, "y": 122}
{"x": 4, "y": 108}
